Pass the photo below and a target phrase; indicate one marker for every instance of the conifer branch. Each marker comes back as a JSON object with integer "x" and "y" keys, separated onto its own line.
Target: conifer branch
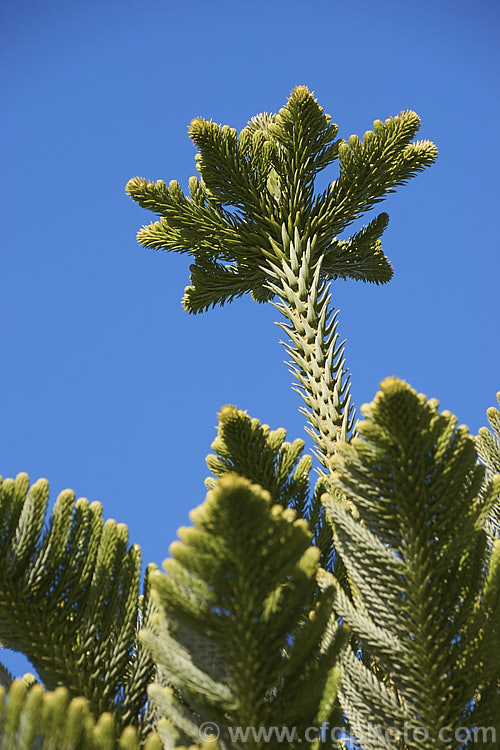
{"x": 242, "y": 633}
{"x": 429, "y": 609}
{"x": 69, "y": 598}
{"x": 253, "y": 183}
{"x": 31, "y": 718}
{"x": 252, "y": 450}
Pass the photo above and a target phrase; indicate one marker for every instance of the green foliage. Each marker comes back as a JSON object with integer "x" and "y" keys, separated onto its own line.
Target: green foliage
{"x": 245, "y": 447}
{"x": 31, "y": 718}
{"x": 254, "y": 184}
{"x": 427, "y": 593}
{"x": 69, "y": 598}
{"x": 242, "y": 634}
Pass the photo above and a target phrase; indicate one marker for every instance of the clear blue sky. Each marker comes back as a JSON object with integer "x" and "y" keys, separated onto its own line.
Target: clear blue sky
{"x": 107, "y": 386}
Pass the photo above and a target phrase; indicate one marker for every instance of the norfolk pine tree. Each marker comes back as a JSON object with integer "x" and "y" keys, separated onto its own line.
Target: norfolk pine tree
{"x": 391, "y": 619}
